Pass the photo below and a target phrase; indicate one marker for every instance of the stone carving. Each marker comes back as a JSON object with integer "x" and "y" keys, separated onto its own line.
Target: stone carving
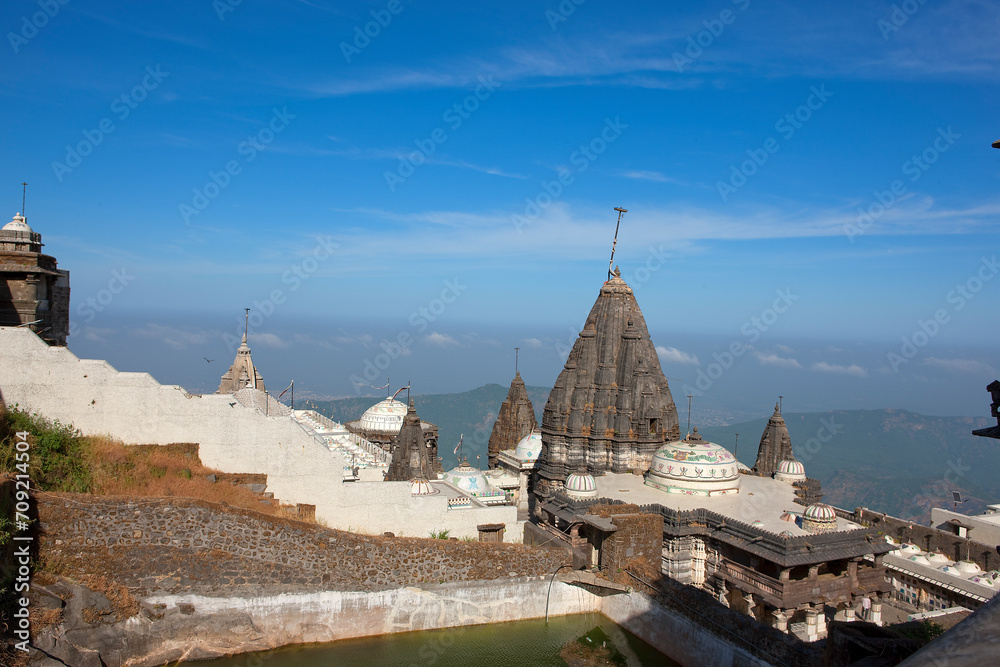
{"x": 410, "y": 455}
{"x": 611, "y": 407}
{"x": 515, "y": 420}
{"x": 775, "y": 445}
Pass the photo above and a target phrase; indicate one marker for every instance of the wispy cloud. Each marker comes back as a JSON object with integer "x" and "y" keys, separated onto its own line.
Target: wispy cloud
{"x": 675, "y": 355}
{"x": 179, "y": 339}
{"x": 654, "y": 176}
{"x": 853, "y": 369}
{"x": 959, "y": 365}
{"x": 772, "y": 359}
{"x": 441, "y": 340}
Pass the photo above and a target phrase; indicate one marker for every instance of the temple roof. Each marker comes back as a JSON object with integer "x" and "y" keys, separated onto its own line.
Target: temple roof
{"x": 775, "y": 445}
{"x": 515, "y": 420}
{"x": 242, "y": 374}
{"x": 611, "y": 407}
{"x": 410, "y": 454}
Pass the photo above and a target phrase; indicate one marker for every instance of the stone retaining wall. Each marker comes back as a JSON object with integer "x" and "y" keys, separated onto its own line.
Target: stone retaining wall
{"x": 180, "y": 545}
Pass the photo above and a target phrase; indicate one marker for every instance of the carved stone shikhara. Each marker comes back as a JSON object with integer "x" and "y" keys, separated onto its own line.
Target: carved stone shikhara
{"x": 515, "y": 420}
{"x": 611, "y": 407}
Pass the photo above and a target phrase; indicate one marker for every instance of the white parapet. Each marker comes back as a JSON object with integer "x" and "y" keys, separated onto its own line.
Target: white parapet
{"x": 134, "y": 408}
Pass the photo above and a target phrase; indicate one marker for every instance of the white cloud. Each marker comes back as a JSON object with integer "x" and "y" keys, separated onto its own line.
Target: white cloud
{"x": 655, "y": 176}
{"x": 269, "y": 339}
{"x": 959, "y": 365}
{"x": 785, "y": 349}
{"x": 772, "y": 359}
{"x": 675, "y": 355}
{"x": 442, "y": 340}
{"x": 532, "y": 342}
{"x": 853, "y": 369}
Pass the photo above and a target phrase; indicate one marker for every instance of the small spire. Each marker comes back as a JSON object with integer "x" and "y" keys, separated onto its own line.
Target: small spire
{"x": 777, "y": 410}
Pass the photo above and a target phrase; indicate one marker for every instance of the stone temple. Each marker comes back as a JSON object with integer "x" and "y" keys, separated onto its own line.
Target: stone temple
{"x": 775, "y": 445}
{"x": 610, "y": 409}
{"x": 515, "y": 420}
{"x": 34, "y": 292}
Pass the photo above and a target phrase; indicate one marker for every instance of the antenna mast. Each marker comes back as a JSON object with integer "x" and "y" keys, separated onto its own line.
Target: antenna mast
{"x": 615, "y": 243}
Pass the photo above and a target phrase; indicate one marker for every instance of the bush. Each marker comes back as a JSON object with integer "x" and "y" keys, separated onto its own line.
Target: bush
{"x": 59, "y": 455}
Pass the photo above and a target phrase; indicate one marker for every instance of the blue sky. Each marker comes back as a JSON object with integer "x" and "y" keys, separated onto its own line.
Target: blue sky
{"x": 188, "y": 159}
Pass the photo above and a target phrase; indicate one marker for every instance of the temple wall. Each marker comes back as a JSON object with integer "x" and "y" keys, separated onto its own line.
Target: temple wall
{"x": 134, "y": 408}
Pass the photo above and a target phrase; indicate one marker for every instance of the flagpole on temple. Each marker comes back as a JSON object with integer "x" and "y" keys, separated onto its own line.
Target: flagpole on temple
{"x": 615, "y": 243}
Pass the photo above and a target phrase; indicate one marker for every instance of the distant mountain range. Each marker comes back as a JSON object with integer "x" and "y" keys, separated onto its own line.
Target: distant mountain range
{"x": 892, "y": 461}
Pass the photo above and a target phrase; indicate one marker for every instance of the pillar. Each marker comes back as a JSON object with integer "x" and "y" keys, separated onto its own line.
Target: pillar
{"x": 876, "y": 613}
{"x": 780, "y": 620}
{"x": 820, "y": 622}
{"x": 849, "y": 614}
{"x": 811, "y": 632}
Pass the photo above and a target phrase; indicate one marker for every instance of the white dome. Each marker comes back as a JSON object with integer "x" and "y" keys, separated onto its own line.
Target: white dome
{"x": 790, "y": 472}
{"x": 581, "y": 485}
{"x": 938, "y": 558}
{"x": 421, "y": 487}
{"x": 385, "y": 416}
{"x": 991, "y": 579}
{"x": 968, "y": 567}
{"x": 694, "y": 467}
{"x": 909, "y": 548}
{"x": 819, "y": 518}
{"x": 529, "y": 447}
{"x": 468, "y": 479}
{"x": 18, "y": 224}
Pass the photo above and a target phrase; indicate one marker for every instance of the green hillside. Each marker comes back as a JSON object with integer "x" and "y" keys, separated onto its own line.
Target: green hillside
{"x": 471, "y": 413}
{"x": 893, "y": 461}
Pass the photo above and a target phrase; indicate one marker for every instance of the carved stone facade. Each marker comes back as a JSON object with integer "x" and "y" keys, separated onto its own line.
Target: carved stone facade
{"x": 515, "y": 420}
{"x": 411, "y": 457}
{"x": 34, "y": 292}
{"x": 611, "y": 407}
{"x": 775, "y": 445}
{"x": 242, "y": 374}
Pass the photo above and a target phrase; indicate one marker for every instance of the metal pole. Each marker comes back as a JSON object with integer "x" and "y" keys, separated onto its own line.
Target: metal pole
{"x": 549, "y": 594}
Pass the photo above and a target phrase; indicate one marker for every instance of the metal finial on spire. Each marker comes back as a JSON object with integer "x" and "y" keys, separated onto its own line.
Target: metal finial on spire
{"x": 615, "y": 242}
{"x": 246, "y": 323}
{"x": 24, "y": 194}
{"x": 737, "y": 445}
{"x": 779, "y": 402}
{"x": 516, "y": 350}
{"x": 689, "y": 413}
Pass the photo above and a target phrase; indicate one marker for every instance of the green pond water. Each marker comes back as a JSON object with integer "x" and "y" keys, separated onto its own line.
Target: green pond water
{"x": 516, "y": 644}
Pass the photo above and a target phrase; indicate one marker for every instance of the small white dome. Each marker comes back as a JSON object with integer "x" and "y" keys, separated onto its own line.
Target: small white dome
{"x": 385, "y": 416}
{"x": 468, "y": 479}
{"x": 909, "y": 548}
{"x": 919, "y": 559}
{"x": 18, "y": 224}
{"x": 581, "y": 485}
{"x": 421, "y": 487}
{"x": 968, "y": 567}
{"x": 938, "y": 558}
{"x": 529, "y": 447}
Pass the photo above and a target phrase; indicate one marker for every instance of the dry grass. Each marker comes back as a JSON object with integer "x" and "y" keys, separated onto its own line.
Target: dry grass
{"x": 159, "y": 472}
{"x": 124, "y": 604}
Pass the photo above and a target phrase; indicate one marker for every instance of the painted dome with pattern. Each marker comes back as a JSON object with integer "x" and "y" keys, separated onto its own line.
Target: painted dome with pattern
{"x": 819, "y": 518}
{"x": 581, "y": 485}
{"x": 529, "y": 447}
{"x": 820, "y": 512}
{"x": 790, "y": 472}
{"x": 468, "y": 479}
{"x": 385, "y": 416}
{"x": 694, "y": 467}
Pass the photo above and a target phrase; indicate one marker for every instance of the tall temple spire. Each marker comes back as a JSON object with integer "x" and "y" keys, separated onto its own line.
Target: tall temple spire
{"x": 242, "y": 374}
{"x": 411, "y": 458}
{"x": 515, "y": 420}
{"x": 775, "y": 445}
{"x": 611, "y": 407}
